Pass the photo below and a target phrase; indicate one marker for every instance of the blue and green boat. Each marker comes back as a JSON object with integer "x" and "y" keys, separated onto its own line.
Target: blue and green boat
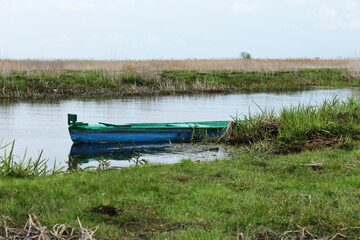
{"x": 81, "y": 132}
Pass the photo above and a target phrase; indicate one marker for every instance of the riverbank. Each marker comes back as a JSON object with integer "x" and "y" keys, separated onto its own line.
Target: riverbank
{"x": 216, "y": 200}
{"x": 331, "y": 124}
{"x": 265, "y": 190}
{"x": 108, "y": 83}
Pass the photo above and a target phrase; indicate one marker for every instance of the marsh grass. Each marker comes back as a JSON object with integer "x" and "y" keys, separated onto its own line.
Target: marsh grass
{"x": 71, "y": 83}
{"x": 23, "y": 168}
{"x": 55, "y": 79}
{"x": 15, "y": 167}
{"x": 331, "y": 124}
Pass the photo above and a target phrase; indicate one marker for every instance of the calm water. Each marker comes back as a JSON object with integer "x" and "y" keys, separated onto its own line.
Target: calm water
{"x": 43, "y": 125}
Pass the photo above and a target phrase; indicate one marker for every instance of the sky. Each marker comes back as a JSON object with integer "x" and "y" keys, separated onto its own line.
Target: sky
{"x": 179, "y": 29}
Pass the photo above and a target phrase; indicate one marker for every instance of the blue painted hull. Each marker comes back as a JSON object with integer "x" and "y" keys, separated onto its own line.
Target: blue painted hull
{"x": 129, "y": 135}
{"x": 143, "y": 132}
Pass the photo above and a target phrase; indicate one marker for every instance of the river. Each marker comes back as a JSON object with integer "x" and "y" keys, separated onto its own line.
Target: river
{"x": 42, "y": 125}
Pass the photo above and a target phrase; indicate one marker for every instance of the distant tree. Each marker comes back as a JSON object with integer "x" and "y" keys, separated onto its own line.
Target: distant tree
{"x": 245, "y": 55}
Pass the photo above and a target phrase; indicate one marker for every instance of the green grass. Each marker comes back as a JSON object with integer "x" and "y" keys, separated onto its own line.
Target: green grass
{"x": 219, "y": 199}
{"x": 214, "y": 200}
{"x": 90, "y": 83}
{"x": 10, "y": 166}
{"x": 333, "y": 124}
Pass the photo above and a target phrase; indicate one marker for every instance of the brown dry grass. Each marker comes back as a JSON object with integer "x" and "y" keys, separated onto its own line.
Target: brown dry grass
{"x": 7, "y": 65}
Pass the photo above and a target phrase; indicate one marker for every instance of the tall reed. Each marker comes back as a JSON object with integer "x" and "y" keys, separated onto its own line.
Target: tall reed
{"x": 7, "y": 65}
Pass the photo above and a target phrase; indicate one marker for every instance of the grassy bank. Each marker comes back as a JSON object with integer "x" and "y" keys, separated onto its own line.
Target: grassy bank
{"x": 332, "y": 124}
{"x": 214, "y": 200}
{"x": 90, "y": 83}
{"x": 261, "y": 193}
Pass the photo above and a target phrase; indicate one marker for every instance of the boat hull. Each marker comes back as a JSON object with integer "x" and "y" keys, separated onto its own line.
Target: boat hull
{"x": 128, "y": 135}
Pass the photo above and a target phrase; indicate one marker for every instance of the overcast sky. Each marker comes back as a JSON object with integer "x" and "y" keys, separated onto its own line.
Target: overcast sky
{"x": 178, "y": 29}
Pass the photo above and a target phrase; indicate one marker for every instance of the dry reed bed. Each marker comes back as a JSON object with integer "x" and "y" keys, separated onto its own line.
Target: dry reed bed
{"x": 7, "y": 65}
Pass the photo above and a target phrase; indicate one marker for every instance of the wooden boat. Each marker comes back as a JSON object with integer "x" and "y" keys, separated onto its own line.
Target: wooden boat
{"x": 143, "y": 132}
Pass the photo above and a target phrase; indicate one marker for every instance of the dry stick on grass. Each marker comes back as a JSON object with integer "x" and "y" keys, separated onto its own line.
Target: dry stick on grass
{"x": 350, "y": 165}
{"x": 86, "y": 233}
{"x": 350, "y": 228}
{"x": 254, "y": 154}
{"x": 315, "y": 166}
{"x": 240, "y": 236}
{"x": 302, "y": 233}
{"x": 338, "y": 235}
{"x": 34, "y": 230}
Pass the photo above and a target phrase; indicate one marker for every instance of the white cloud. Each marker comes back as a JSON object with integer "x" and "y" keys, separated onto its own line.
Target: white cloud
{"x": 327, "y": 11}
{"x": 330, "y": 18}
{"x": 294, "y": 2}
{"x": 134, "y": 3}
{"x": 152, "y": 38}
{"x": 181, "y": 42}
{"x": 240, "y": 7}
{"x": 50, "y": 6}
{"x": 289, "y": 26}
{"x": 68, "y": 38}
{"x": 354, "y": 24}
{"x": 113, "y": 36}
{"x": 76, "y": 5}
{"x": 352, "y": 6}
{"x": 110, "y": 37}
{"x": 154, "y": 28}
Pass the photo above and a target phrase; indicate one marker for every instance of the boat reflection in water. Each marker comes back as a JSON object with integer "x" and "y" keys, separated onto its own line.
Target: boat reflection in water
{"x": 85, "y": 153}
{"x": 124, "y": 155}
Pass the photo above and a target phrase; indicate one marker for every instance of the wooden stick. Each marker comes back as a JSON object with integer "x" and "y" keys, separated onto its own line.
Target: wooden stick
{"x": 315, "y": 166}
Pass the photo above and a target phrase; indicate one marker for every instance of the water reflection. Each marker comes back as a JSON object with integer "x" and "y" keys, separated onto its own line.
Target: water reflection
{"x": 131, "y": 154}
{"x": 115, "y": 151}
{"x": 42, "y": 124}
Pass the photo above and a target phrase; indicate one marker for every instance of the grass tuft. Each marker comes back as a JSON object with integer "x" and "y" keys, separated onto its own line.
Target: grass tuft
{"x": 23, "y": 168}
{"x": 332, "y": 124}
